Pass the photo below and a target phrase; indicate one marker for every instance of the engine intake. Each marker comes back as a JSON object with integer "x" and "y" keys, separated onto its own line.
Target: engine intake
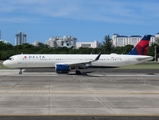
{"x": 62, "y": 68}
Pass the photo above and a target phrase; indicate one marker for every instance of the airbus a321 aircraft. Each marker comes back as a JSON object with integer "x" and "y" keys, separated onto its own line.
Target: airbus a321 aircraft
{"x": 63, "y": 63}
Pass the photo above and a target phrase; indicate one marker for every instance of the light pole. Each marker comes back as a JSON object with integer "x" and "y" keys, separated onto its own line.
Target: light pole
{"x": 155, "y": 53}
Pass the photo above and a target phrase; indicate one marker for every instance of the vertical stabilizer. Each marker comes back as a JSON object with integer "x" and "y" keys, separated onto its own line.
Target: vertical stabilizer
{"x": 142, "y": 47}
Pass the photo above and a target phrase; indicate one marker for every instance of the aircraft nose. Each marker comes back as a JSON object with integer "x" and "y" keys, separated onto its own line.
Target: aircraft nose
{"x": 4, "y": 63}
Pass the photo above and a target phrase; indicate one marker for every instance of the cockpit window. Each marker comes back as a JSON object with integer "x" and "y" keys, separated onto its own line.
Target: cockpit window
{"x": 10, "y": 58}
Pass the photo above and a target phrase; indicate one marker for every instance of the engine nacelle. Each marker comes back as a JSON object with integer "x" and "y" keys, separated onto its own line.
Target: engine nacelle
{"x": 62, "y": 68}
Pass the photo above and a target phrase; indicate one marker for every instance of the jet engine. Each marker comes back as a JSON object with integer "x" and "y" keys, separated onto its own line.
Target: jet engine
{"x": 62, "y": 68}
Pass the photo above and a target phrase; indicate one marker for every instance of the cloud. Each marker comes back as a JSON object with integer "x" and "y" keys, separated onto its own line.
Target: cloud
{"x": 114, "y": 11}
{"x": 20, "y": 20}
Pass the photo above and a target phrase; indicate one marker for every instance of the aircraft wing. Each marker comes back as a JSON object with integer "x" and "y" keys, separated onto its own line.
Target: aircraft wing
{"x": 80, "y": 63}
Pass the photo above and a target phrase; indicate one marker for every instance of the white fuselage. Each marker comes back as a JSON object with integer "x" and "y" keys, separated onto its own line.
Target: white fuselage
{"x": 49, "y": 60}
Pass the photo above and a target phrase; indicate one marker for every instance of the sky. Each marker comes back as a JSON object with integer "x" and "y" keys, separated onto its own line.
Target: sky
{"x": 86, "y": 20}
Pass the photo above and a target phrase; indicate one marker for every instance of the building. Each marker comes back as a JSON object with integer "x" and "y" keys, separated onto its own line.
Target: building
{"x": 153, "y": 39}
{"x": 66, "y": 41}
{"x": 4, "y": 41}
{"x": 157, "y": 35}
{"x": 119, "y": 40}
{"x": 20, "y": 38}
{"x": 35, "y": 43}
{"x": 87, "y": 44}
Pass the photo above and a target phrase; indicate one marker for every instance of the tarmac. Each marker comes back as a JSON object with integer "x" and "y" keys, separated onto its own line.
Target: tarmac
{"x": 99, "y": 93}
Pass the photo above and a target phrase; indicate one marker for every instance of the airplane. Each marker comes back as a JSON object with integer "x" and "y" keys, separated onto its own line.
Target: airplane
{"x": 63, "y": 63}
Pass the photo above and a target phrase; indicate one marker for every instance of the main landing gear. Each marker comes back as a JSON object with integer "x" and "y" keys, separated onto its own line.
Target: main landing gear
{"x": 78, "y": 72}
{"x": 20, "y": 72}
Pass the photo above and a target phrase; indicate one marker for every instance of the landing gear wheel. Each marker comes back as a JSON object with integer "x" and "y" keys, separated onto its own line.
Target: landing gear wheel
{"x": 78, "y": 72}
{"x": 20, "y": 72}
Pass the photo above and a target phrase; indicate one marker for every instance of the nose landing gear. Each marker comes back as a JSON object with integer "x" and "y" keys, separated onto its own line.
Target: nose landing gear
{"x": 20, "y": 72}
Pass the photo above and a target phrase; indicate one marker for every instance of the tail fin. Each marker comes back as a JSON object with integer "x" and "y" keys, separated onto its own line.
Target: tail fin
{"x": 142, "y": 47}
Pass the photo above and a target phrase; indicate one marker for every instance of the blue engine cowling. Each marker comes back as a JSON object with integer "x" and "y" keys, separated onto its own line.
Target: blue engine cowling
{"x": 62, "y": 68}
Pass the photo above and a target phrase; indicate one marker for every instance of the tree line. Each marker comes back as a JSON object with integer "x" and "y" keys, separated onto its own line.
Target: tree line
{"x": 106, "y": 47}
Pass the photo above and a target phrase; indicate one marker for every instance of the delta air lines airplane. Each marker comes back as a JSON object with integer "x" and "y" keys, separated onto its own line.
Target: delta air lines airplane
{"x": 63, "y": 63}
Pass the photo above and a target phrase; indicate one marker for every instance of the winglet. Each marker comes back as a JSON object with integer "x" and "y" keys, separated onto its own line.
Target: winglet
{"x": 97, "y": 58}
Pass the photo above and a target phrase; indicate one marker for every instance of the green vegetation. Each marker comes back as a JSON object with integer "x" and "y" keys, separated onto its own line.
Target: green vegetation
{"x": 7, "y": 50}
{"x": 3, "y": 67}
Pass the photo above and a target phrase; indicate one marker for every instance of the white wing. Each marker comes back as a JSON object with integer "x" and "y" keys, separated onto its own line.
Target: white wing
{"x": 79, "y": 63}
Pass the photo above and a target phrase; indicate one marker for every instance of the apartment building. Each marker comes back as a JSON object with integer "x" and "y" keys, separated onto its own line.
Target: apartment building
{"x": 121, "y": 40}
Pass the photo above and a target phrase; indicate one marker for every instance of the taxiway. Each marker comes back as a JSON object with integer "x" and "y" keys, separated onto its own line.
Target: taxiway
{"x": 100, "y": 93}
